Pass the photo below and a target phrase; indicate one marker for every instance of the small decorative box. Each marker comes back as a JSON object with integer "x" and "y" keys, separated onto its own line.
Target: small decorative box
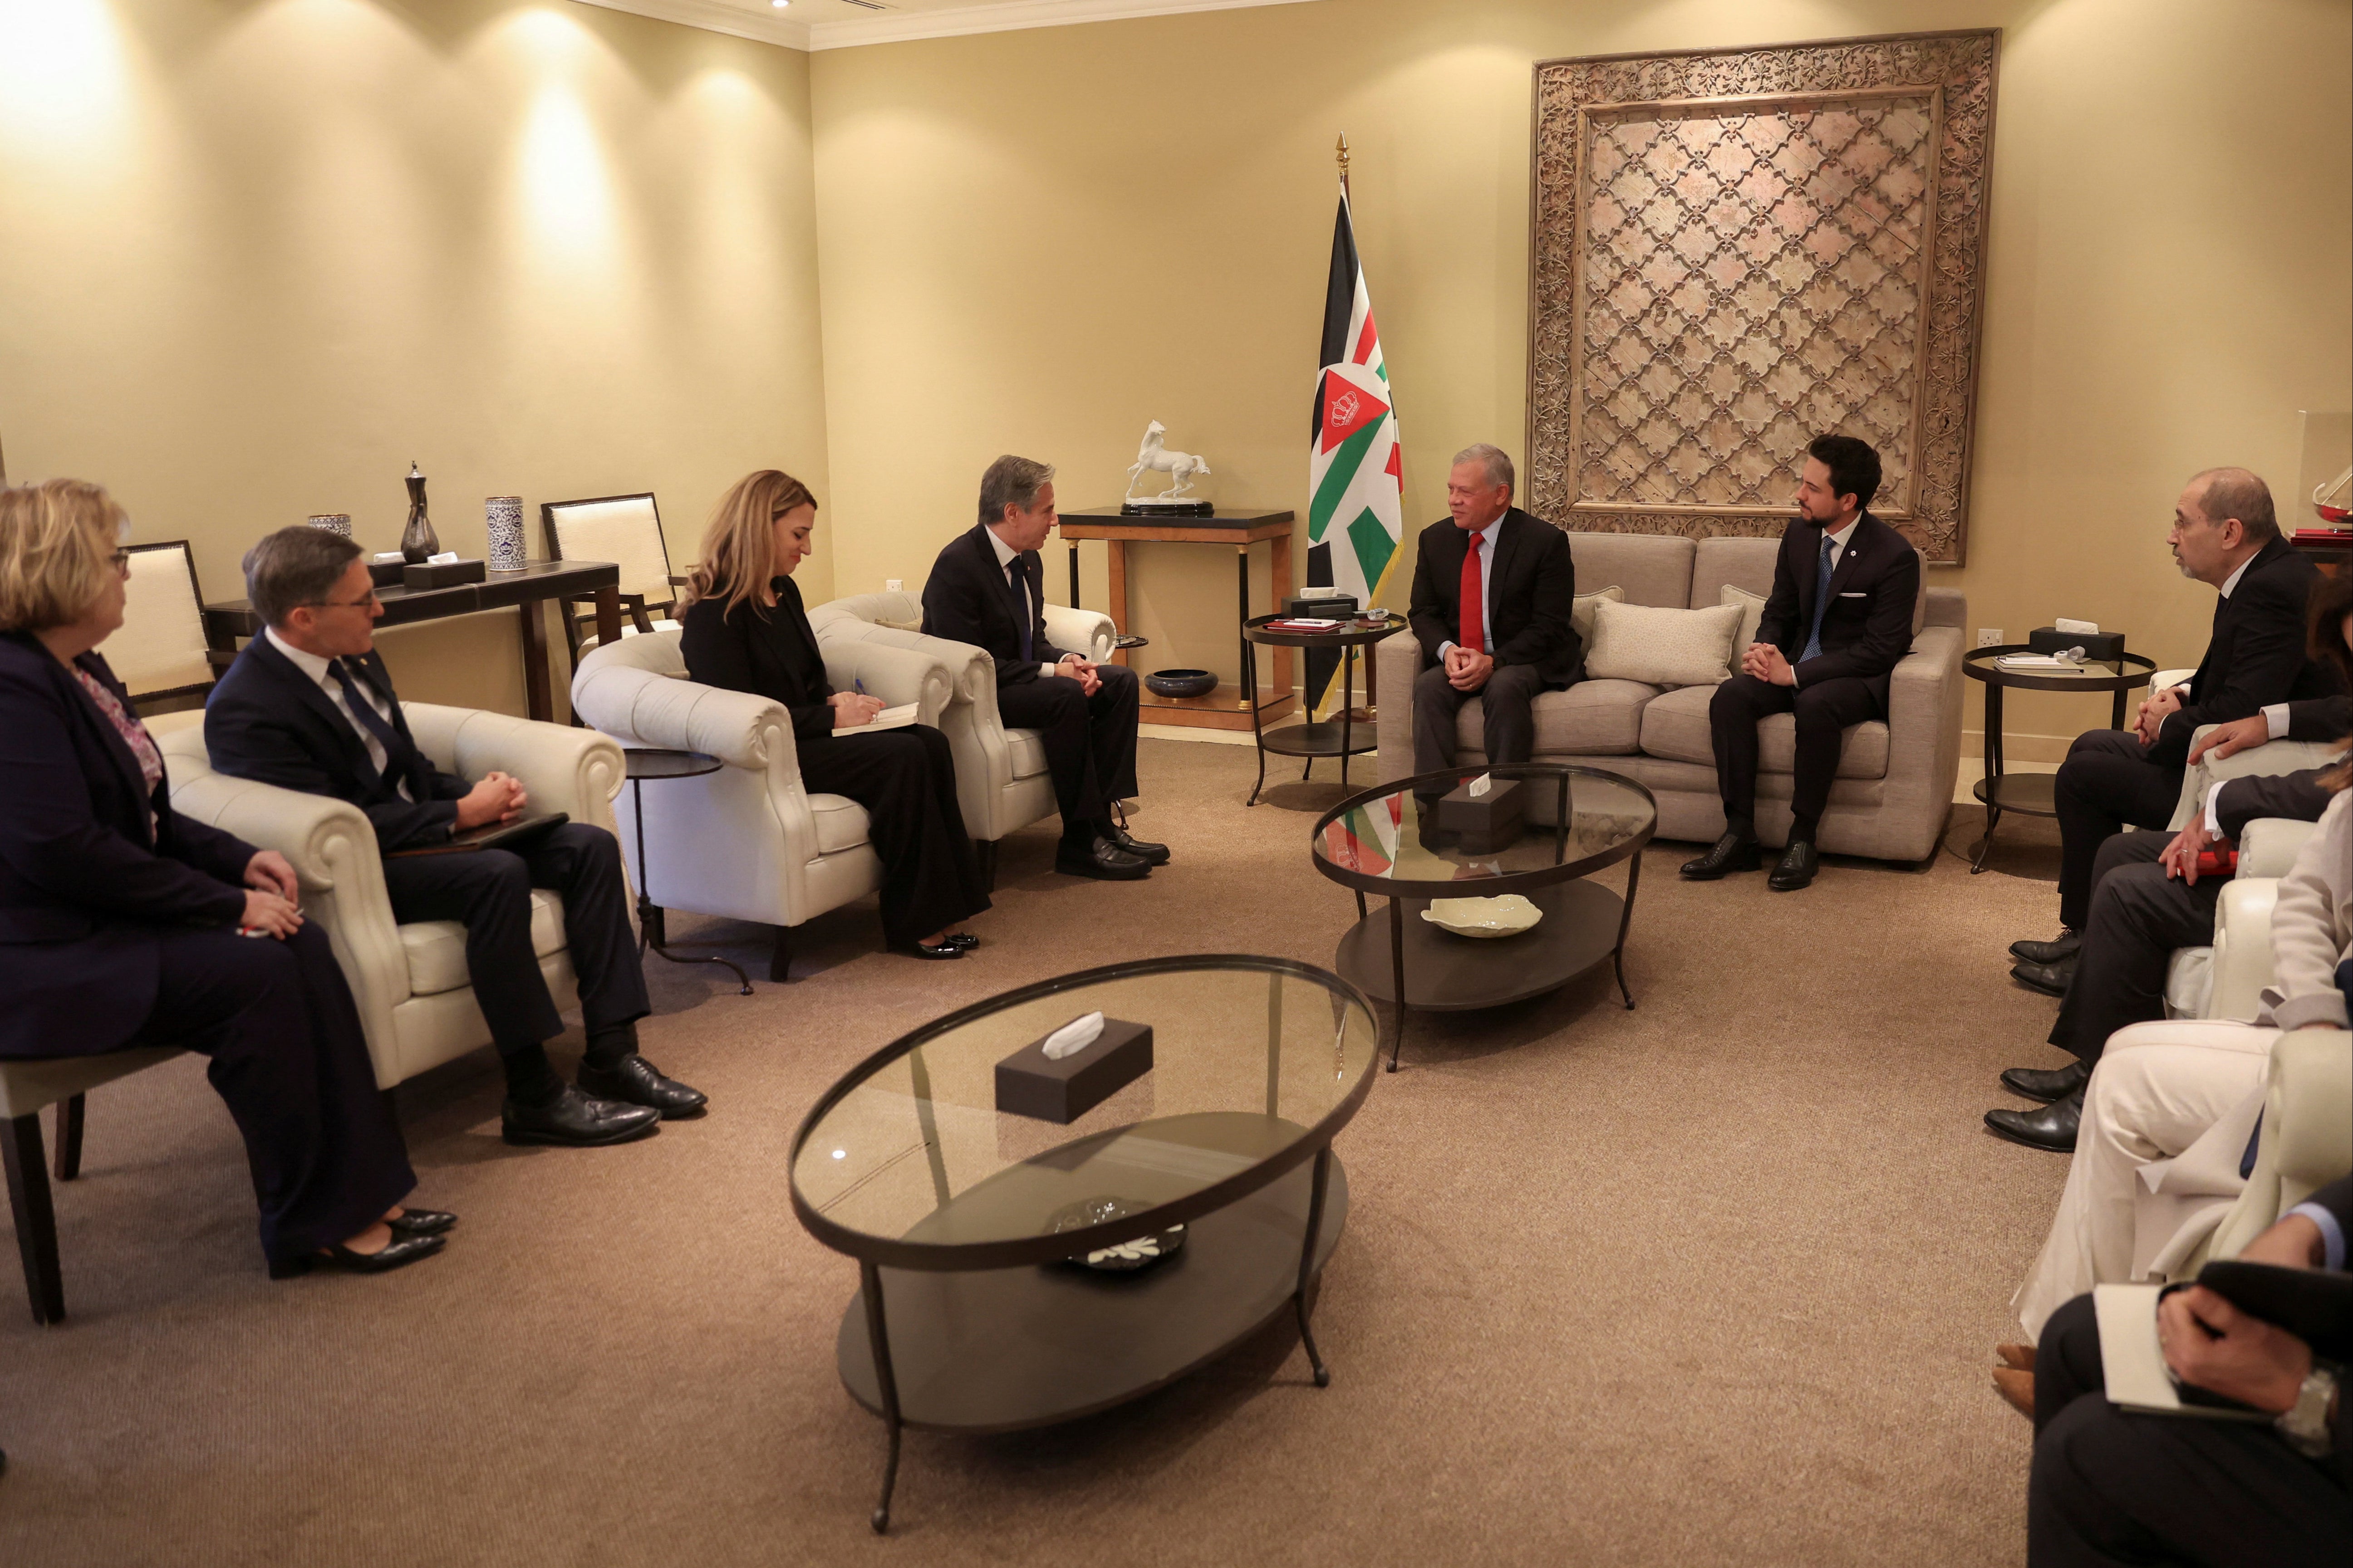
{"x": 1335, "y": 606}
{"x": 1486, "y": 823}
{"x": 1031, "y": 1083}
{"x": 2101, "y": 647}
{"x": 418, "y": 576}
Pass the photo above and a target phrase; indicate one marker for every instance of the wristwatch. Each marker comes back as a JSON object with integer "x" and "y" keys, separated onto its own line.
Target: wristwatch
{"x": 2304, "y": 1424}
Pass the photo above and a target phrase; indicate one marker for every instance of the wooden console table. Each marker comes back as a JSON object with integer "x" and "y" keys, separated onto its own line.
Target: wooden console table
{"x": 526, "y": 588}
{"x": 1229, "y": 707}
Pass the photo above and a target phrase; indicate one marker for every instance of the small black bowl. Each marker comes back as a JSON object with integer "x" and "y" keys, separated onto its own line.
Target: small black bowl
{"x": 1181, "y": 682}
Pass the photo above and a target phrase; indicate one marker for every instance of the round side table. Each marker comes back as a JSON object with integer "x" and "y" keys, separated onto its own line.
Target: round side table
{"x": 2029, "y": 794}
{"x": 641, "y": 763}
{"x": 1322, "y": 737}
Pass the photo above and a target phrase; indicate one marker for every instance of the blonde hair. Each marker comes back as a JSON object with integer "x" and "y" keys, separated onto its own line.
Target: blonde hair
{"x": 739, "y": 543}
{"x": 57, "y": 550}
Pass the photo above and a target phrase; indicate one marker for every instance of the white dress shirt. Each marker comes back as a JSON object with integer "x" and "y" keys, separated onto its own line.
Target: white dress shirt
{"x": 312, "y": 665}
{"x": 1019, "y": 582}
{"x": 1484, "y": 541}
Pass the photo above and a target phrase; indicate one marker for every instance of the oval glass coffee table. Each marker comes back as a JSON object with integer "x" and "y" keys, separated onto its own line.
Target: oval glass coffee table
{"x": 972, "y": 1314}
{"x": 1576, "y": 821}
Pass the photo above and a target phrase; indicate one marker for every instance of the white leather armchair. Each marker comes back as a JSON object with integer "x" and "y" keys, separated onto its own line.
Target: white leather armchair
{"x": 416, "y": 1001}
{"x": 2306, "y": 1141}
{"x": 1001, "y": 778}
{"x": 750, "y": 841}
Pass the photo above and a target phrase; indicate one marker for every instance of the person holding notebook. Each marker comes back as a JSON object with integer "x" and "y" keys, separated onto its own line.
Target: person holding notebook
{"x": 745, "y": 629}
{"x": 309, "y": 706}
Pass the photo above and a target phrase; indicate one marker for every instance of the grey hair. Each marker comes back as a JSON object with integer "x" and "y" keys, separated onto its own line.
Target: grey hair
{"x": 2240, "y": 493}
{"x": 1011, "y": 481}
{"x": 1498, "y": 462}
{"x": 294, "y": 567}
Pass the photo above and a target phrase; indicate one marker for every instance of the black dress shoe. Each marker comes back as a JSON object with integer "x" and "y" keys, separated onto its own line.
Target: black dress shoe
{"x": 2055, "y": 1083}
{"x": 1732, "y": 853}
{"x": 633, "y": 1081}
{"x": 421, "y": 1222}
{"x": 2070, "y": 943}
{"x": 397, "y": 1253}
{"x": 935, "y": 950}
{"x": 1799, "y": 864}
{"x": 577, "y": 1120}
{"x": 2051, "y": 1128}
{"x": 2051, "y": 979}
{"x": 1142, "y": 849}
{"x": 1101, "y": 857}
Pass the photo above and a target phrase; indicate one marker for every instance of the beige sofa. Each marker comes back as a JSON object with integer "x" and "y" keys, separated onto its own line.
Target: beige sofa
{"x": 1894, "y": 783}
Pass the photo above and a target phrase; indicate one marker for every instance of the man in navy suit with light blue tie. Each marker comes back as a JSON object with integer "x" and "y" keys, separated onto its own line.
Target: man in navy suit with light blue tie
{"x": 1837, "y": 623}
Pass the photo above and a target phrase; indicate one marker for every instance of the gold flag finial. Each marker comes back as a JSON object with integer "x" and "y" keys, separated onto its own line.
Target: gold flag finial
{"x": 1341, "y": 149}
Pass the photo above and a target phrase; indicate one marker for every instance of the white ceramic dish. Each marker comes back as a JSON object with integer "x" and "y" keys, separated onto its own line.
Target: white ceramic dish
{"x": 1506, "y": 916}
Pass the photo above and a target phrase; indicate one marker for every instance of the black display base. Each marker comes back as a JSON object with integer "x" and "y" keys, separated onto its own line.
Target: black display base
{"x": 1168, "y": 509}
{"x": 386, "y": 574}
{"x": 418, "y": 576}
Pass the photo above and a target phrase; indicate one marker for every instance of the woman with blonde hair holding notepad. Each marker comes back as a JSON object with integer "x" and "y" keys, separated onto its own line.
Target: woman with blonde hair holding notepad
{"x": 745, "y": 629}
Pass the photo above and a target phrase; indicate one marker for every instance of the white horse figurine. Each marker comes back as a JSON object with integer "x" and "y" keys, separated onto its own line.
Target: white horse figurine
{"x": 1152, "y": 457}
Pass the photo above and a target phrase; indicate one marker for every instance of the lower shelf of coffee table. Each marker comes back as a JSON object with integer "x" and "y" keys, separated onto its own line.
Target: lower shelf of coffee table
{"x": 1445, "y": 972}
{"x": 999, "y": 1349}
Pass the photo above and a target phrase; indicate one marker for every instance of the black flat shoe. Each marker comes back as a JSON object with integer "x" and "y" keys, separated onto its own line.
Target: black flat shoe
{"x": 1732, "y": 853}
{"x": 2056, "y": 1083}
{"x": 963, "y": 939}
{"x": 421, "y": 1222}
{"x": 1799, "y": 864}
{"x": 2051, "y": 979}
{"x": 633, "y": 1081}
{"x": 576, "y": 1121}
{"x": 1151, "y": 853}
{"x": 1102, "y": 858}
{"x": 2052, "y": 1128}
{"x": 398, "y": 1253}
{"x": 2070, "y": 943}
{"x": 937, "y": 951}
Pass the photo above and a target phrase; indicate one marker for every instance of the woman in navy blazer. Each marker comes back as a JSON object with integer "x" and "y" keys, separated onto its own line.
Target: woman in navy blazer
{"x": 123, "y": 924}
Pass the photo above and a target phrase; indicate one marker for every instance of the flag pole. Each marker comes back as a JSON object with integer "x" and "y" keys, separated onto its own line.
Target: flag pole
{"x": 1342, "y": 149}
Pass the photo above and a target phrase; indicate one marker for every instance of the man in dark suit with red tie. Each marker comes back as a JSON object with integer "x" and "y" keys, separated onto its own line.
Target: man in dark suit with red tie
{"x": 1492, "y": 588}
{"x": 1837, "y": 623}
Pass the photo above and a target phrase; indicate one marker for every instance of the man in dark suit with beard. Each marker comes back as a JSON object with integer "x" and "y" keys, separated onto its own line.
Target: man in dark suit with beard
{"x": 1837, "y": 623}
{"x": 1492, "y": 588}
{"x": 989, "y": 589}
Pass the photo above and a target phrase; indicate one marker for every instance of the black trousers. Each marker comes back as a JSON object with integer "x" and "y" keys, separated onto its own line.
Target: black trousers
{"x": 1824, "y": 710}
{"x": 2111, "y": 1488}
{"x": 906, "y": 781}
{"x": 1503, "y": 705}
{"x": 290, "y": 1059}
{"x": 1090, "y": 740}
{"x": 489, "y": 890}
{"x": 2139, "y": 916}
{"x": 2106, "y": 782}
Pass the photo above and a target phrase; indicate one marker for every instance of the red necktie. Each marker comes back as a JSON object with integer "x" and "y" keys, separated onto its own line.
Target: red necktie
{"x": 1473, "y": 613}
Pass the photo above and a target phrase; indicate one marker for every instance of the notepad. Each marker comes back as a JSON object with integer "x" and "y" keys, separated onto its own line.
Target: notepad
{"x": 888, "y": 718}
{"x": 2132, "y": 1363}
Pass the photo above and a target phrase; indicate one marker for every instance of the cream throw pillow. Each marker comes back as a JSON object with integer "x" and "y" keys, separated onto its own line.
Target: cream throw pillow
{"x": 1661, "y": 647}
{"x": 1752, "y": 611}
{"x": 1580, "y": 611}
{"x": 913, "y": 626}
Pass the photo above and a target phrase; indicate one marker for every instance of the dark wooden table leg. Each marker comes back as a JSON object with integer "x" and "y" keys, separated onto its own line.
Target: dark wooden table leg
{"x": 609, "y": 616}
{"x": 538, "y": 691}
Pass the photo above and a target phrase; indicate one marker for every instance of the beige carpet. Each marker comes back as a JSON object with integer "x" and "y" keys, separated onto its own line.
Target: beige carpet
{"x": 1715, "y": 1280}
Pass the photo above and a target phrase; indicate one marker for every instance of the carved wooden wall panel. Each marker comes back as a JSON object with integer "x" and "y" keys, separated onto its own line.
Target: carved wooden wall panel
{"x": 1737, "y": 251}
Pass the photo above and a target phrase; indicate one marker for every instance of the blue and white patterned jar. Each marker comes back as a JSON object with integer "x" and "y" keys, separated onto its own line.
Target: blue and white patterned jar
{"x": 504, "y": 514}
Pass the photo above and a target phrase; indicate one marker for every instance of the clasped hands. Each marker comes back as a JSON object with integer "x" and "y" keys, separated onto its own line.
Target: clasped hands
{"x": 272, "y": 896}
{"x": 2211, "y": 1344}
{"x": 2148, "y": 719}
{"x": 1767, "y": 664}
{"x": 499, "y": 797}
{"x": 1081, "y": 670}
{"x": 1467, "y": 669}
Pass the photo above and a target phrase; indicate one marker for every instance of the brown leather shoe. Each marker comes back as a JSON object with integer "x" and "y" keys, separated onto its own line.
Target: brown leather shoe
{"x": 2016, "y": 1386}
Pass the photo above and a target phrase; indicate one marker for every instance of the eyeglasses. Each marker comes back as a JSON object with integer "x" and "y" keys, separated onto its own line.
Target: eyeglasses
{"x": 367, "y": 603}
{"x": 121, "y": 560}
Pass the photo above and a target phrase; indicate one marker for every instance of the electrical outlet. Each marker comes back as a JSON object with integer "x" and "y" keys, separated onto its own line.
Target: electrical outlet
{"x": 893, "y": 585}
{"x": 1989, "y": 636}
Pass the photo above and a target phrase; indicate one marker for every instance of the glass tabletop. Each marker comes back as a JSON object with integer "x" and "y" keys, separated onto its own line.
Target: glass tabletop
{"x": 1400, "y": 839}
{"x": 660, "y": 763}
{"x": 1255, "y": 1064}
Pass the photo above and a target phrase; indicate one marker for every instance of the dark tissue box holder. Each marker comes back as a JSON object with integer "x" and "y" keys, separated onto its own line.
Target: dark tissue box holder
{"x": 1486, "y": 823}
{"x": 417, "y": 575}
{"x": 1031, "y": 1083}
{"x": 386, "y": 574}
{"x": 2102, "y": 647}
{"x": 1337, "y": 607}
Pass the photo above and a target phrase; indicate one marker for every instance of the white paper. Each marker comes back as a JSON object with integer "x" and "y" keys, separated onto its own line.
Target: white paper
{"x": 446, "y": 558}
{"x": 2077, "y": 629}
{"x": 387, "y": 557}
{"x": 1074, "y": 1036}
{"x": 1481, "y": 784}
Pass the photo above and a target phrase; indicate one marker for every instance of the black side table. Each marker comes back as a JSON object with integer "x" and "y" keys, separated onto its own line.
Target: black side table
{"x": 2029, "y": 794}
{"x": 654, "y": 762}
{"x": 1321, "y": 738}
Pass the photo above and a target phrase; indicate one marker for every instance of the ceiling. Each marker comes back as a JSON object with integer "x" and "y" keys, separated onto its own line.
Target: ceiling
{"x": 843, "y": 23}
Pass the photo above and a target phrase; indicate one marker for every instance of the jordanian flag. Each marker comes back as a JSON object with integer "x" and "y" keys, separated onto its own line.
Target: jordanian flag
{"x": 1356, "y": 516}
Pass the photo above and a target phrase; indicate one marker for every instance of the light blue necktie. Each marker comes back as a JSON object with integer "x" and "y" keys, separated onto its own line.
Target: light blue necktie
{"x": 1821, "y": 603}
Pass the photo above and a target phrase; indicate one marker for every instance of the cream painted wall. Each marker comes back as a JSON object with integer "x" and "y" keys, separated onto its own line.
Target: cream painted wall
{"x": 1037, "y": 241}
{"x": 261, "y": 254}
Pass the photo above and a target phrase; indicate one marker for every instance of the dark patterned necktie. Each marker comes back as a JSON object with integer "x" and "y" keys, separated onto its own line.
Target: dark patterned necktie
{"x": 1821, "y": 603}
{"x": 397, "y": 753}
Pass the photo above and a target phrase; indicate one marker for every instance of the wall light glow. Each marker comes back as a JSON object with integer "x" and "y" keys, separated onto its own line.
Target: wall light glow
{"x": 566, "y": 188}
{"x": 61, "y": 64}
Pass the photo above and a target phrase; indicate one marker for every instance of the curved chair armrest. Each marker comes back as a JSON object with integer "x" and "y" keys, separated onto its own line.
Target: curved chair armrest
{"x": 2166, "y": 679}
{"x": 574, "y": 771}
{"x": 1088, "y": 632}
{"x": 637, "y": 708}
{"x": 2267, "y": 761}
{"x": 896, "y": 675}
{"x": 2307, "y": 1134}
{"x": 2269, "y": 844}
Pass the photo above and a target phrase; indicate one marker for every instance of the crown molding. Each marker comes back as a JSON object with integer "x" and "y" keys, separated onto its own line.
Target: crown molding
{"x": 897, "y": 26}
